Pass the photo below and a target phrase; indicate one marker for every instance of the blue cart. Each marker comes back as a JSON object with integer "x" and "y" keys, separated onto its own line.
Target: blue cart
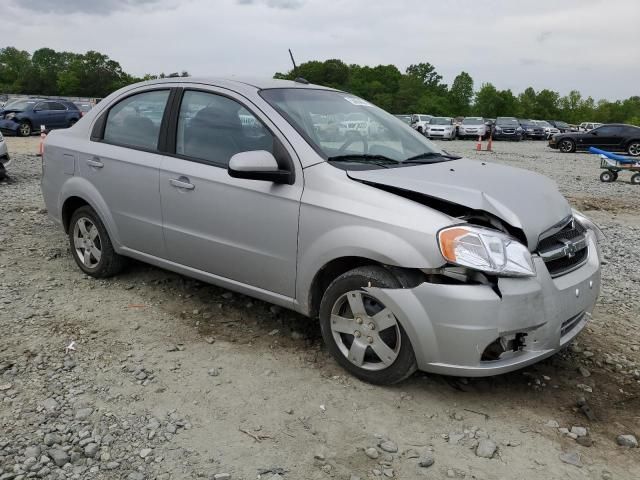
{"x": 612, "y": 164}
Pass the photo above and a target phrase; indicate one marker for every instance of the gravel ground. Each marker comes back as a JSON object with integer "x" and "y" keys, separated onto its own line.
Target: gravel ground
{"x": 152, "y": 375}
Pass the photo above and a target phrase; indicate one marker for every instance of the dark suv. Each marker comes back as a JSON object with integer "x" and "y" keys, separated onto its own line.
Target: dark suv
{"x": 530, "y": 129}
{"x": 23, "y": 117}
{"x": 615, "y": 137}
{"x": 507, "y": 128}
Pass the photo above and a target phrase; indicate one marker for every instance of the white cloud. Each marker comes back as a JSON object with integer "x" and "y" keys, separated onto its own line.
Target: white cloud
{"x": 584, "y": 44}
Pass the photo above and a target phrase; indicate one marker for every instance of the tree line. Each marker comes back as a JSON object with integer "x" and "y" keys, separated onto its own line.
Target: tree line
{"x": 420, "y": 89}
{"x": 50, "y": 73}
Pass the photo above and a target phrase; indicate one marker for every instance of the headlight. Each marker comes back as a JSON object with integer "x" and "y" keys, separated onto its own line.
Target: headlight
{"x": 519, "y": 129}
{"x": 498, "y": 129}
{"x": 589, "y": 225}
{"x": 9, "y": 116}
{"x": 485, "y": 250}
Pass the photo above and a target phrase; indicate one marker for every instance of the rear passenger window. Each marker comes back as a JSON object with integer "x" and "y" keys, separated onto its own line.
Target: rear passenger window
{"x": 214, "y": 128}
{"x": 135, "y": 121}
{"x": 56, "y": 106}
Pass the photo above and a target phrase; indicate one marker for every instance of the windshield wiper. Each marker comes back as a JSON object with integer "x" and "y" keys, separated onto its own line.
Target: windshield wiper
{"x": 378, "y": 160}
{"x": 430, "y": 155}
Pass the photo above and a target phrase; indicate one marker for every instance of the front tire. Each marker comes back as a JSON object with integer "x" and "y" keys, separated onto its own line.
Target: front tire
{"x": 635, "y": 179}
{"x": 567, "y": 146}
{"x": 24, "y": 129}
{"x": 633, "y": 148}
{"x": 362, "y": 334}
{"x": 91, "y": 246}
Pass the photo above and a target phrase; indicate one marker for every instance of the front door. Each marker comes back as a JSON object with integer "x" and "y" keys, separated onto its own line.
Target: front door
{"x": 604, "y": 137}
{"x": 238, "y": 229}
{"x": 124, "y": 167}
{"x": 57, "y": 115}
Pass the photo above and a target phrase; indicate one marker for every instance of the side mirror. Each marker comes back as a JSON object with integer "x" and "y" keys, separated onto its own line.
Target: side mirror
{"x": 258, "y": 165}
{"x": 593, "y": 132}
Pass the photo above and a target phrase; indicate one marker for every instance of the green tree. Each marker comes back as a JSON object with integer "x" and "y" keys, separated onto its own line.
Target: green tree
{"x": 461, "y": 94}
{"x": 487, "y": 102}
{"x": 15, "y": 69}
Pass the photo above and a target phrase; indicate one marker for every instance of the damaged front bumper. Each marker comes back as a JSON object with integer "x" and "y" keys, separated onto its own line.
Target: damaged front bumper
{"x": 452, "y": 327}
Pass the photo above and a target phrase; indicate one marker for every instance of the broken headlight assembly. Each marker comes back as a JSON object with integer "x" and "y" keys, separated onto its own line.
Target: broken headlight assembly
{"x": 485, "y": 250}
{"x": 589, "y": 225}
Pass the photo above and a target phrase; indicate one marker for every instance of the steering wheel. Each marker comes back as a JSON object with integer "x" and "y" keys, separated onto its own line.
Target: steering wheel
{"x": 354, "y": 137}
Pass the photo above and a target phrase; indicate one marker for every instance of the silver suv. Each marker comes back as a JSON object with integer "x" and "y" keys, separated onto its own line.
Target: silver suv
{"x": 410, "y": 257}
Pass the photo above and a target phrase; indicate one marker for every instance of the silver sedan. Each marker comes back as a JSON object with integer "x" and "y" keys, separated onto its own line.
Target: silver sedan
{"x": 409, "y": 257}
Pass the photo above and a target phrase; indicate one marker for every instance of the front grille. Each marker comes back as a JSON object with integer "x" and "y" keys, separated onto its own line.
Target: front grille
{"x": 565, "y": 250}
{"x": 566, "y": 264}
{"x": 569, "y": 325}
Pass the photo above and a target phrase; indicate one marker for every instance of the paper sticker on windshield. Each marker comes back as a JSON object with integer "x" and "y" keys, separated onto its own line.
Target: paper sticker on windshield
{"x": 358, "y": 101}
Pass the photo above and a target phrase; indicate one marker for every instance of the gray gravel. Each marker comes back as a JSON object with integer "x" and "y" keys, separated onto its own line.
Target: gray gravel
{"x": 173, "y": 379}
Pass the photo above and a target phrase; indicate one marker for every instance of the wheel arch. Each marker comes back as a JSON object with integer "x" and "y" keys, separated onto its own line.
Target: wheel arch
{"x": 78, "y": 192}
{"x": 408, "y": 277}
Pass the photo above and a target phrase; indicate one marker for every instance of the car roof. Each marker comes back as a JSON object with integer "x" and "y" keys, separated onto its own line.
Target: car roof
{"x": 239, "y": 83}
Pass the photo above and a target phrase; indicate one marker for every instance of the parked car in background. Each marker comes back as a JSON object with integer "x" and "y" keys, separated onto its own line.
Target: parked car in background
{"x": 23, "y": 117}
{"x": 549, "y": 130}
{"x": 615, "y": 137}
{"x": 531, "y": 129}
{"x": 560, "y": 125}
{"x": 405, "y": 118}
{"x": 4, "y": 157}
{"x": 84, "y": 107}
{"x": 420, "y": 121}
{"x": 473, "y": 127}
{"x": 588, "y": 126}
{"x": 441, "y": 127}
{"x": 410, "y": 258}
{"x": 507, "y": 128}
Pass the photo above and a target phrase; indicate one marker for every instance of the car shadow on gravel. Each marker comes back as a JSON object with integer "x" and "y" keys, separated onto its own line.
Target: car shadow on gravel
{"x": 212, "y": 313}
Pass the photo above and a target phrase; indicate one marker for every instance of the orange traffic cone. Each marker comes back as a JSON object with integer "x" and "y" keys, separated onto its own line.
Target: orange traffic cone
{"x": 43, "y": 135}
{"x": 490, "y": 145}
{"x": 479, "y": 144}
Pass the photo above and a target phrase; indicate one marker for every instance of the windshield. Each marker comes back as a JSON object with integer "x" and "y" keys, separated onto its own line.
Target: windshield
{"x": 405, "y": 118}
{"x": 355, "y": 127}
{"x": 507, "y": 121}
{"x": 19, "y": 105}
{"x": 542, "y": 123}
{"x": 440, "y": 121}
{"x": 473, "y": 121}
{"x": 562, "y": 125}
{"x": 424, "y": 118}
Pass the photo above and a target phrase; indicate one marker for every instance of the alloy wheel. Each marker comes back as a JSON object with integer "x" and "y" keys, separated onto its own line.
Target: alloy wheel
{"x": 87, "y": 242}
{"x": 25, "y": 129}
{"x": 634, "y": 149}
{"x": 365, "y": 331}
{"x": 566, "y": 146}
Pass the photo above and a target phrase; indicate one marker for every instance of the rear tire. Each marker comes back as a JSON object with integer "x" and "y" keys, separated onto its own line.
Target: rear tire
{"x": 633, "y": 148}
{"x": 608, "y": 176}
{"x": 373, "y": 348}
{"x": 3, "y": 172}
{"x": 635, "y": 179}
{"x": 91, "y": 246}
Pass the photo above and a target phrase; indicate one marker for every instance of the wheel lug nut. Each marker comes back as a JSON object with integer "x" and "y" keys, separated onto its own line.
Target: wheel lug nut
{"x": 370, "y": 339}
{"x": 372, "y": 326}
{"x": 357, "y": 334}
{"x": 358, "y": 320}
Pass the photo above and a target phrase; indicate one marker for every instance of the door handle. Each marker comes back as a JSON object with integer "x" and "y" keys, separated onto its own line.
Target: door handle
{"x": 95, "y": 163}
{"x": 182, "y": 182}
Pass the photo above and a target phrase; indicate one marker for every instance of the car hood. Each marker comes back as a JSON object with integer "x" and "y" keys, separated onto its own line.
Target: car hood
{"x": 523, "y": 199}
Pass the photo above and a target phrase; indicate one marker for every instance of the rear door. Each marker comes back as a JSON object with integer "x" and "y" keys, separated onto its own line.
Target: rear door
{"x": 242, "y": 230}
{"x": 57, "y": 114}
{"x": 123, "y": 163}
